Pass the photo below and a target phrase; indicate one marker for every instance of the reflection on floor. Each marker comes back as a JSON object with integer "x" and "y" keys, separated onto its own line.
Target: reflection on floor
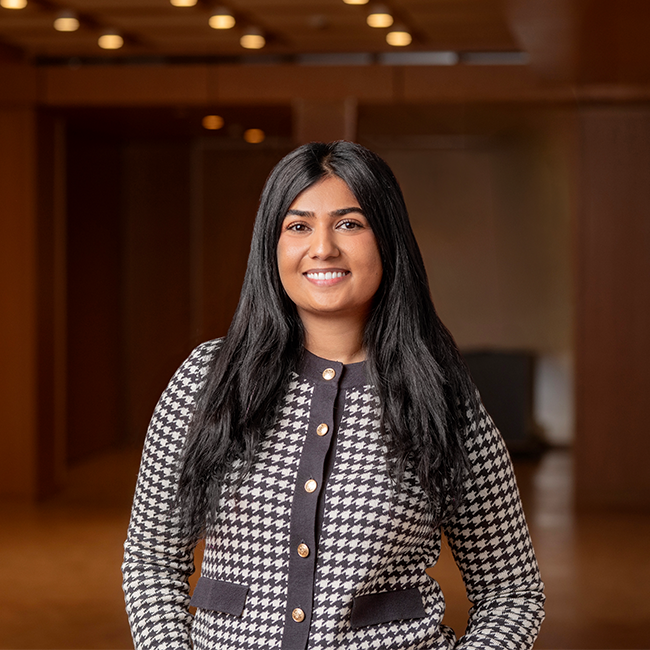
{"x": 60, "y": 584}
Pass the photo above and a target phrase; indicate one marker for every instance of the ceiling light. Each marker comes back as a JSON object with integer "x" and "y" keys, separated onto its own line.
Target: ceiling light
{"x": 254, "y": 136}
{"x": 379, "y": 16}
{"x": 221, "y": 18}
{"x": 110, "y": 41}
{"x": 183, "y": 3}
{"x": 356, "y": 2}
{"x": 399, "y": 36}
{"x": 212, "y": 122}
{"x": 66, "y": 21}
{"x": 252, "y": 39}
{"x": 13, "y": 4}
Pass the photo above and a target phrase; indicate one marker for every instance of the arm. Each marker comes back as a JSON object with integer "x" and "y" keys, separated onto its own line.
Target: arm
{"x": 491, "y": 545}
{"x": 158, "y": 559}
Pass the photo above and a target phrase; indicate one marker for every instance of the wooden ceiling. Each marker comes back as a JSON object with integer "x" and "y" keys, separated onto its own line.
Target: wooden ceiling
{"x": 586, "y": 41}
{"x": 155, "y": 28}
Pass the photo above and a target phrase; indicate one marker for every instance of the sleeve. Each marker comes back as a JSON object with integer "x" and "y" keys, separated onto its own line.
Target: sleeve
{"x": 158, "y": 559}
{"x": 490, "y": 542}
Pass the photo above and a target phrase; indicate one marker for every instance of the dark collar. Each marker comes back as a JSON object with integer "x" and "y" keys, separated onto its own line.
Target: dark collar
{"x": 347, "y": 376}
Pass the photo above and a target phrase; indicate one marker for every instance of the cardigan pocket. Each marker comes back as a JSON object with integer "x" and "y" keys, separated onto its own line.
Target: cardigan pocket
{"x": 219, "y": 596}
{"x": 386, "y": 606}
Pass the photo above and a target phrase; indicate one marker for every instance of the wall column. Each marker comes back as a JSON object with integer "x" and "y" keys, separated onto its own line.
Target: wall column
{"x": 18, "y": 304}
{"x": 32, "y": 290}
{"x": 613, "y": 309}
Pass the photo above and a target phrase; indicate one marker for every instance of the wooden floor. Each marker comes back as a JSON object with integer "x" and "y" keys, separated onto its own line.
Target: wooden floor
{"x": 60, "y": 579}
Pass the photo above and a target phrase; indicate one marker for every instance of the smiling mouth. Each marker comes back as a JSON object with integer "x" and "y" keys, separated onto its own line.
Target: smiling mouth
{"x": 328, "y": 275}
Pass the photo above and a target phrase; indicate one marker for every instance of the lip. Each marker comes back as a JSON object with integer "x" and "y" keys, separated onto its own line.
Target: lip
{"x": 324, "y": 281}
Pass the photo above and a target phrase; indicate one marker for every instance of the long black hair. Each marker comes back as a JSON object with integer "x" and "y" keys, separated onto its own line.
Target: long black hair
{"x": 412, "y": 361}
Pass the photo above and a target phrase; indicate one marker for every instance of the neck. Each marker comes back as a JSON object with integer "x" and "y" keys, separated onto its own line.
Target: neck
{"x": 336, "y": 339}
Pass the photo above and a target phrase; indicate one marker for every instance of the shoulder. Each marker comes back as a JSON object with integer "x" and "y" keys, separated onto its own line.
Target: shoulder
{"x": 201, "y": 356}
{"x": 192, "y": 372}
{"x": 203, "y": 353}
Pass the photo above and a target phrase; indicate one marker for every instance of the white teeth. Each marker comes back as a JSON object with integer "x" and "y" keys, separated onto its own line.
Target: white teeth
{"x": 325, "y": 276}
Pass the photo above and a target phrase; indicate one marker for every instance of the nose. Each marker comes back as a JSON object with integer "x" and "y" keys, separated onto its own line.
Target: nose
{"x": 322, "y": 243}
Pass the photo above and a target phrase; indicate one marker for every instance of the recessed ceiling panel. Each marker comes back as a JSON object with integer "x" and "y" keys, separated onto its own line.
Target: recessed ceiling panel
{"x": 155, "y": 27}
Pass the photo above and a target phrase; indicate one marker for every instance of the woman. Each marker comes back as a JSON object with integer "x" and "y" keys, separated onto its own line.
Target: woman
{"x": 323, "y": 444}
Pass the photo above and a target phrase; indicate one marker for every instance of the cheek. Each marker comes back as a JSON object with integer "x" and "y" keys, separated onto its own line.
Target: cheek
{"x": 377, "y": 263}
{"x": 373, "y": 264}
{"x": 281, "y": 255}
{"x": 378, "y": 274}
{"x": 286, "y": 262}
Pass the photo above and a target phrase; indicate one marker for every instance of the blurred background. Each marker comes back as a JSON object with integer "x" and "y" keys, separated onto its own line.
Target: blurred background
{"x": 135, "y": 137}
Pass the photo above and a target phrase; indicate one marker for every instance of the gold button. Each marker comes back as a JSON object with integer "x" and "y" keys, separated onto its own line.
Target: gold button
{"x": 298, "y": 615}
{"x": 310, "y": 485}
{"x": 322, "y": 429}
{"x": 303, "y": 550}
{"x": 329, "y": 373}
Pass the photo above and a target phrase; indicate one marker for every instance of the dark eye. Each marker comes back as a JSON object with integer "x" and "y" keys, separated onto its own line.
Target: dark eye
{"x": 298, "y": 227}
{"x": 348, "y": 224}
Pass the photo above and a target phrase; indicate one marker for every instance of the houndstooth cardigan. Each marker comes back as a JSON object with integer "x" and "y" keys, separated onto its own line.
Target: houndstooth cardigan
{"x": 268, "y": 580}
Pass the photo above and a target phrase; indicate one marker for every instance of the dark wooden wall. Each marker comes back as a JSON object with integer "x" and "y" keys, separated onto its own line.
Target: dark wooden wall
{"x": 18, "y": 302}
{"x": 613, "y": 309}
{"x": 158, "y": 238}
{"x": 94, "y": 177}
{"x": 231, "y": 185}
{"x": 155, "y": 295}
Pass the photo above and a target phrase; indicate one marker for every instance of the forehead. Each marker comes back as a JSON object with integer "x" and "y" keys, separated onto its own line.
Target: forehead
{"x": 328, "y": 194}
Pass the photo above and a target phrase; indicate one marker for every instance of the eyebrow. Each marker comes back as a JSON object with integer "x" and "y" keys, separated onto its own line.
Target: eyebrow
{"x": 335, "y": 213}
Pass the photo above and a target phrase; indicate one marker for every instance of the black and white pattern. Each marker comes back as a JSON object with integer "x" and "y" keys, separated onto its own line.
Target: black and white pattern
{"x": 250, "y": 540}
{"x": 490, "y": 542}
{"x": 157, "y": 559}
{"x": 373, "y": 540}
{"x": 374, "y": 546}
